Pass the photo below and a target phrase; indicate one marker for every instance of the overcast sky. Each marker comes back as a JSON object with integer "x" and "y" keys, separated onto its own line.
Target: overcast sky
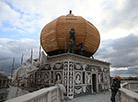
{"x": 21, "y": 22}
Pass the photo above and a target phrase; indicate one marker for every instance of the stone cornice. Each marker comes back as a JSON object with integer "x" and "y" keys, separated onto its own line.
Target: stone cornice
{"x": 76, "y": 57}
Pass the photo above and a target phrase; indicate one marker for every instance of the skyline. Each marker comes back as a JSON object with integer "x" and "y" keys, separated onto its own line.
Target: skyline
{"x": 21, "y": 23}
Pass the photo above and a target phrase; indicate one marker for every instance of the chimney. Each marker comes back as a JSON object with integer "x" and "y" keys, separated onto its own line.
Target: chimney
{"x": 39, "y": 53}
{"x": 22, "y": 59}
{"x": 31, "y": 56}
{"x": 12, "y": 67}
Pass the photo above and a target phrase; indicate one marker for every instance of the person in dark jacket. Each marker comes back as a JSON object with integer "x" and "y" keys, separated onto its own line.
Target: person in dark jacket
{"x": 115, "y": 87}
{"x": 71, "y": 45}
{"x": 80, "y": 45}
{"x": 72, "y": 34}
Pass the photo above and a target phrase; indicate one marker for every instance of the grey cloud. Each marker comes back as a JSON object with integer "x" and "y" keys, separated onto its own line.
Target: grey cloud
{"x": 4, "y": 57}
{"x": 15, "y": 48}
{"x": 6, "y": 65}
{"x": 129, "y": 72}
{"x": 126, "y": 17}
{"x": 121, "y": 52}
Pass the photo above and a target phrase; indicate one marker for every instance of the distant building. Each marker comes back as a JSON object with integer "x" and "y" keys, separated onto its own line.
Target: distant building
{"x": 4, "y": 80}
{"x": 4, "y": 84}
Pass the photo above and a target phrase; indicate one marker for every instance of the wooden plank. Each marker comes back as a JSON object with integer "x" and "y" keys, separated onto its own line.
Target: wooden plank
{"x": 56, "y": 34}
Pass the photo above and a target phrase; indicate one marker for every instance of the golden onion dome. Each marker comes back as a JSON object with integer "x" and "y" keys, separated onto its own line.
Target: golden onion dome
{"x": 55, "y": 36}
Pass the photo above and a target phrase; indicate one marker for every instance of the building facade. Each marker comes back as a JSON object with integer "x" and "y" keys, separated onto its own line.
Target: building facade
{"x": 80, "y": 75}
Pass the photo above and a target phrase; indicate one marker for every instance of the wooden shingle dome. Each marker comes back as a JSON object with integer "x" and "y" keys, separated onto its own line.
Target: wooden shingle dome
{"x": 55, "y": 36}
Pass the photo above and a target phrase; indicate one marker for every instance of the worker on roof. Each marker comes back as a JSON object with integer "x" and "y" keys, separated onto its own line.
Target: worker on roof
{"x": 72, "y": 34}
{"x": 71, "y": 45}
{"x": 115, "y": 87}
{"x": 80, "y": 45}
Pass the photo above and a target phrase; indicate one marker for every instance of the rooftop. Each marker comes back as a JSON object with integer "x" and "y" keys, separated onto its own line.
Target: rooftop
{"x": 102, "y": 97}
